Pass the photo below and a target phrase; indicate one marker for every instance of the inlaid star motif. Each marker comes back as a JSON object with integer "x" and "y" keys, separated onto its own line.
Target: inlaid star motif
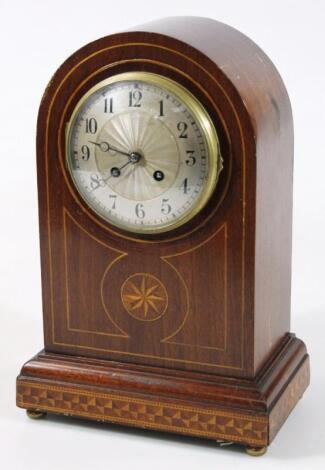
{"x": 144, "y": 297}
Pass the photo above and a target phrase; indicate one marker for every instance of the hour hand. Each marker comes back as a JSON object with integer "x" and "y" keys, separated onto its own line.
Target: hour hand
{"x": 106, "y": 147}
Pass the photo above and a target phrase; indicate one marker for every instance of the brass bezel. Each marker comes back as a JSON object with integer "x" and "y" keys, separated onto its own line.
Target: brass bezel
{"x": 200, "y": 114}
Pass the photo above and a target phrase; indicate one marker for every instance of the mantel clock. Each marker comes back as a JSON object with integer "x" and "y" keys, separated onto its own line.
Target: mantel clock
{"x": 165, "y": 160}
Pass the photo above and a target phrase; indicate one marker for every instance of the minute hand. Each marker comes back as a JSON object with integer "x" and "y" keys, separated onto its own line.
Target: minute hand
{"x": 105, "y": 147}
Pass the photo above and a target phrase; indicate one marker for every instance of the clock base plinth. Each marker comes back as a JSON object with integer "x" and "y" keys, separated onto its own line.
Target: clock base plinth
{"x": 244, "y": 411}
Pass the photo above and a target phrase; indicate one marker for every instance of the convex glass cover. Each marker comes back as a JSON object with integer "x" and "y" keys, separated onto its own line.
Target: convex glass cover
{"x": 143, "y": 152}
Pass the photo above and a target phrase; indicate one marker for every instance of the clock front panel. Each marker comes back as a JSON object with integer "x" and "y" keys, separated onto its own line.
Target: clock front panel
{"x": 143, "y": 223}
{"x": 146, "y": 308}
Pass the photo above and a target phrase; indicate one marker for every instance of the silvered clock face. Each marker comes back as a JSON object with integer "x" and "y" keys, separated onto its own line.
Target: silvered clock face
{"x": 142, "y": 152}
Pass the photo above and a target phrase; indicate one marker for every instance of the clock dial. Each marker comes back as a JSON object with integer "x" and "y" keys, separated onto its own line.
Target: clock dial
{"x": 143, "y": 152}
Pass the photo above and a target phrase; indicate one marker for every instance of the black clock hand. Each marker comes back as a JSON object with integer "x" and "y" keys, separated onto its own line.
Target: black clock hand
{"x": 125, "y": 164}
{"x": 105, "y": 147}
{"x": 116, "y": 172}
{"x": 134, "y": 158}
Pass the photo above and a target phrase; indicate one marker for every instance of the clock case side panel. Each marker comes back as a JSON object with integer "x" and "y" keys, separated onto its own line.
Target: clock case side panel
{"x": 274, "y": 201}
{"x": 266, "y": 100}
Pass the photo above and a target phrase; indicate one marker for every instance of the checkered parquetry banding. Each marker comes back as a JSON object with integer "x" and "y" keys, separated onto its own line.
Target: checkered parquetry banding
{"x": 145, "y": 413}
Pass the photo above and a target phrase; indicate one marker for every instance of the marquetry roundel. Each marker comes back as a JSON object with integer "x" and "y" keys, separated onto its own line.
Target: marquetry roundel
{"x": 144, "y": 297}
{"x": 144, "y": 302}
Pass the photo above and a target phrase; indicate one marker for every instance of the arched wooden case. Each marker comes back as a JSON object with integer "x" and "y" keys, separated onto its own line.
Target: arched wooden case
{"x": 219, "y": 361}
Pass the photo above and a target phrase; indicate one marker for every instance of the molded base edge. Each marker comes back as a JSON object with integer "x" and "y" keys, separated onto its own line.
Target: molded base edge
{"x": 248, "y": 412}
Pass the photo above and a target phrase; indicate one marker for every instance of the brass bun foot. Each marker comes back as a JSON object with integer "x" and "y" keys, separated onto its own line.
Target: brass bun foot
{"x": 34, "y": 414}
{"x": 256, "y": 451}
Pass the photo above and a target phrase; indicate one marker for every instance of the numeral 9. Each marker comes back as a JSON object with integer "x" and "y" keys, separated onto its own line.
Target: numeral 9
{"x": 85, "y": 152}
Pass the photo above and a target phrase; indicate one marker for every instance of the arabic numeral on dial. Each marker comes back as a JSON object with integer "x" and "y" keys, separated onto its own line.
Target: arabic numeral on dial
{"x": 135, "y": 98}
{"x": 85, "y": 152}
{"x": 182, "y": 128}
{"x": 113, "y": 199}
{"x": 165, "y": 207}
{"x": 91, "y": 126}
{"x": 139, "y": 210}
{"x": 108, "y": 105}
{"x": 191, "y": 160}
{"x": 184, "y": 186}
{"x": 96, "y": 181}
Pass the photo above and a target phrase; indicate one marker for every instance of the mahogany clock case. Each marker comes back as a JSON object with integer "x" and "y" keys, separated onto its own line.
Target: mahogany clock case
{"x": 219, "y": 362}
